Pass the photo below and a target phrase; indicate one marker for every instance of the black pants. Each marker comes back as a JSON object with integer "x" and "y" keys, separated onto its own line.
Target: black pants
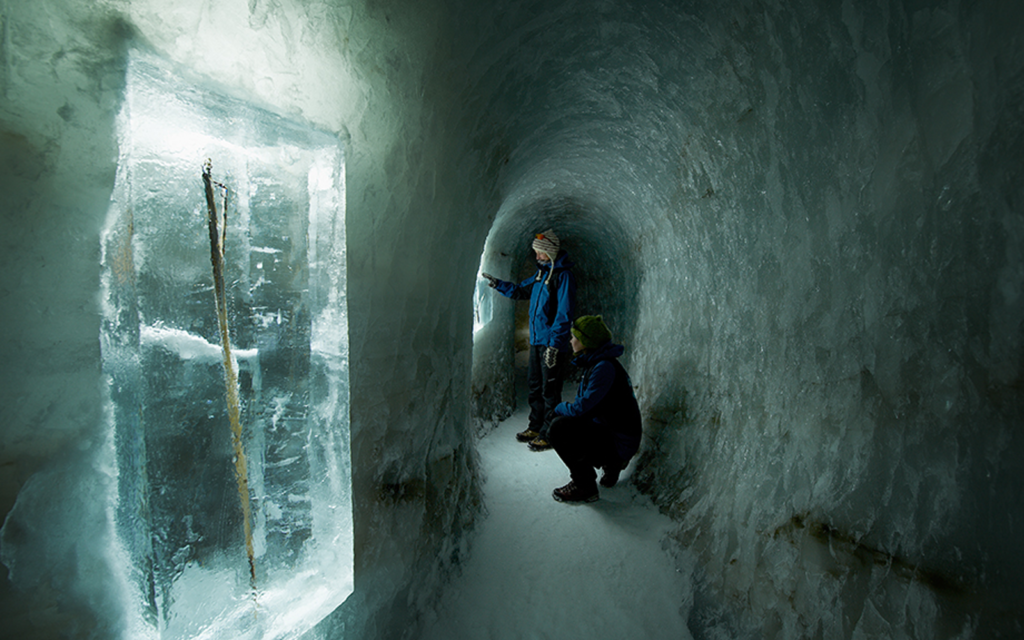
{"x": 583, "y": 444}
{"x": 545, "y": 387}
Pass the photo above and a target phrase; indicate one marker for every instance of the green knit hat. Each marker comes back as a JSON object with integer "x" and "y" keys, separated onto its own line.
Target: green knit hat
{"x": 591, "y": 331}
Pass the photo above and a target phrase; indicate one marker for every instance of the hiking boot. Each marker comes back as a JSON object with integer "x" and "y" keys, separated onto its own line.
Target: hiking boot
{"x": 527, "y": 436}
{"x": 573, "y": 493}
{"x": 539, "y": 444}
{"x": 610, "y": 476}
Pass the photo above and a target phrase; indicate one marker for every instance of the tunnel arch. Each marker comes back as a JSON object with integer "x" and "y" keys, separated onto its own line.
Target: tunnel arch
{"x": 598, "y": 243}
{"x": 605, "y": 265}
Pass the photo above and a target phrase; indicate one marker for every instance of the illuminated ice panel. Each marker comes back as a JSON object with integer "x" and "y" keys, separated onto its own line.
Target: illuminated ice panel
{"x": 180, "y": 517}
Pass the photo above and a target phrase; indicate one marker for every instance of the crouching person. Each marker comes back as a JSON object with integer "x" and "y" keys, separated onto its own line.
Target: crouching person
{"x": 601, "y": 427}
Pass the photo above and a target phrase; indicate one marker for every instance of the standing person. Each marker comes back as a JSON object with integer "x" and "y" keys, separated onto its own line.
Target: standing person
{"x": 601, "y": 427}
{"x": 552, "y": 295}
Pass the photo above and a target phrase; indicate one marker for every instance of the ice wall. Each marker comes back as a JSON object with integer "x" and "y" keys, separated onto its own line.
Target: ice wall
{"x": 858, "y": 385}
{"x": 354, "y": 68}
{"x": 282, "y": 556}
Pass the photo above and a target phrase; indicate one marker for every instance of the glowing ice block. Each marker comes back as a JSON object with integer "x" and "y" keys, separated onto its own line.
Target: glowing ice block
{"x": 179, "y": 517}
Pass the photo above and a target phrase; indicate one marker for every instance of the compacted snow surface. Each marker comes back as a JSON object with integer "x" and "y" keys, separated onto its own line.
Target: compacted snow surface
{"x": 543, "y": 569}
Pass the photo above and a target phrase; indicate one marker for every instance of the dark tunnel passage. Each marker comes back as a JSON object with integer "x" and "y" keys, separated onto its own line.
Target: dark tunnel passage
{"x": 804, "y": 221}
{"x": 607, "y": 284}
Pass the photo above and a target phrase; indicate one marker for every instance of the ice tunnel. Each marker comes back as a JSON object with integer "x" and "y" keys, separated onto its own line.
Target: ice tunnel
{"x": 803, "y": 220}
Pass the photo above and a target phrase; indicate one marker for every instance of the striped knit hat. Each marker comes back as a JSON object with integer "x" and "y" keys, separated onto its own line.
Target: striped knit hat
{"x": 547, "y": 242}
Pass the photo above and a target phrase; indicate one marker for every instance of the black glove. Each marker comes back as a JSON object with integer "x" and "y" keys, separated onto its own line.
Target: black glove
{"x": 491, "y": 280}
{"x": 551, "y": 357}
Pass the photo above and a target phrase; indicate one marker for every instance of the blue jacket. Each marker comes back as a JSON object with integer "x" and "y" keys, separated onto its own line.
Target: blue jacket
{"x": 550, "y": 316}
{"x": 605, "y": 395}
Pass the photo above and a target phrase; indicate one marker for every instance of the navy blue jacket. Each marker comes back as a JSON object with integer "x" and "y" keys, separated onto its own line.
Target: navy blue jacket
{"x": 550, "y": 317}
{"x": 605, "y": 395}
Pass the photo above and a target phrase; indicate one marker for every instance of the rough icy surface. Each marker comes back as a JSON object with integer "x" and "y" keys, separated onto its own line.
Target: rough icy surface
{"x": 802, "y": 218}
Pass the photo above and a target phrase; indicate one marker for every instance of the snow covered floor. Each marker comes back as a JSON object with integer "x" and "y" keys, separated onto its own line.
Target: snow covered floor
{"x": 543, "y": 569}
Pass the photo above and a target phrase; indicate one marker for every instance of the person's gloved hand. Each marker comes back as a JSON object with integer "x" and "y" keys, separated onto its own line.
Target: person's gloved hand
{"x": 551, "y": 357}
{"x": 491, "y": 280}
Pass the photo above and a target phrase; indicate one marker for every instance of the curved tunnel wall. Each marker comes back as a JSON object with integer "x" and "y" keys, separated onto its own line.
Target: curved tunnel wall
{"x": 827, "y": 339}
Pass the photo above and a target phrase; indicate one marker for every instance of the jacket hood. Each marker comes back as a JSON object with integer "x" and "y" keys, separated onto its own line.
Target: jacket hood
{"x": 563, "y": 261}
{"x": 607, "y": 351}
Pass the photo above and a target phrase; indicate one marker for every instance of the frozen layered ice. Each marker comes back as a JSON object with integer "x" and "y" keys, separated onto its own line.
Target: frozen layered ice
{"x": 180, "y": 513}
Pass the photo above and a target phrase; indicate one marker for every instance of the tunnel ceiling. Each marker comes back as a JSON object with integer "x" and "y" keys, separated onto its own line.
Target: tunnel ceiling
{"x": 582, "y": 107}
{"x": 585, "y": 100}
